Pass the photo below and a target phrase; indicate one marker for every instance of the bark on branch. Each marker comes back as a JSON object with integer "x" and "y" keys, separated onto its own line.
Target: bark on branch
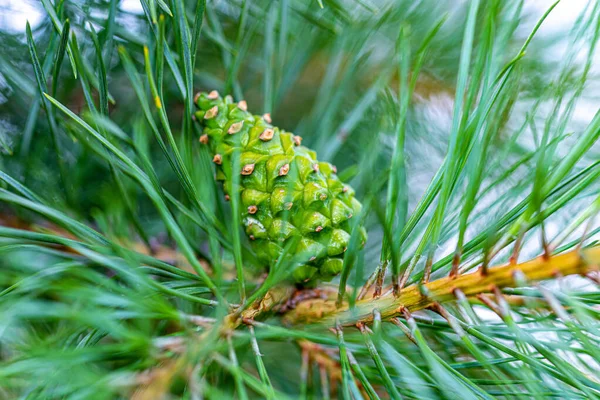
{"x": 414, "y": 298}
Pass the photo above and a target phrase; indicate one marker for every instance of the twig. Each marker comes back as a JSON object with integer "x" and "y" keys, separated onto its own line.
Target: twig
{"x": 416, "y": 297}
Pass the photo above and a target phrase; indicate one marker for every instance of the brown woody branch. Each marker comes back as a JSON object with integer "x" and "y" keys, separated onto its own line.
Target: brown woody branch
{"x": 414, "y": 298}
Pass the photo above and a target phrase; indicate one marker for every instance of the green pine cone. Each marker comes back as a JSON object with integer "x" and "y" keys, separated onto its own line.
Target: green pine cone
{"x": 286, "y": 193}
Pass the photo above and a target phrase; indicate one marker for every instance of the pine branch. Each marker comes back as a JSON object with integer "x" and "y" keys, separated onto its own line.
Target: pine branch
{"x": 419, "y": 297}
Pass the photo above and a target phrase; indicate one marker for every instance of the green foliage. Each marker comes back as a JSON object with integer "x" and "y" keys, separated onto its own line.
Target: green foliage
{"x": 123, "y": 271}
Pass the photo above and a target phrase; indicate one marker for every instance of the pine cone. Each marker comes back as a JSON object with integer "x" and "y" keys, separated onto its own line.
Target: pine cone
{"x": 286, "y": 193}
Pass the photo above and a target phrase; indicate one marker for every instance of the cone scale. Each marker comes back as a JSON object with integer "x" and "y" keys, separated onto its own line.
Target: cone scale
{"x": 286, "y": 194}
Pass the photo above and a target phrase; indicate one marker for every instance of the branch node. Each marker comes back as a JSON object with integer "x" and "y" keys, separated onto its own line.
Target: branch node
{"x": 407, "y": 314}
{"x": 455, "y": 264}
{"x": 404, "y": 329}
{"x": 489, "y": 303}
